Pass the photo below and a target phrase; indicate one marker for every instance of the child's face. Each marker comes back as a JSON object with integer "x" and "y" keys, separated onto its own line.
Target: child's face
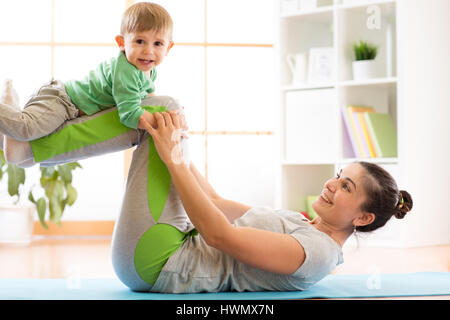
{"x": 145, "y": 49}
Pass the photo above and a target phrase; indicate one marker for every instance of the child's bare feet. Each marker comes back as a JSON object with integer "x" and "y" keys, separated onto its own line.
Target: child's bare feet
{"x": 18, "y": 152}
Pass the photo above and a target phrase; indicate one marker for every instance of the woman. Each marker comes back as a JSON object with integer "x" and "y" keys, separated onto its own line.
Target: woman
{"x": 362, "y": 197}
{"x": 155, "y": 246}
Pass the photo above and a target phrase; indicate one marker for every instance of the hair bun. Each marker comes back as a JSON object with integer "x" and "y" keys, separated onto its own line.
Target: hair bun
{"x": 405, "y": 204}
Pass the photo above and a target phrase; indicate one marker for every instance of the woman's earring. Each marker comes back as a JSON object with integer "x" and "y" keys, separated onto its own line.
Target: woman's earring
{"x": 354, "y": 231}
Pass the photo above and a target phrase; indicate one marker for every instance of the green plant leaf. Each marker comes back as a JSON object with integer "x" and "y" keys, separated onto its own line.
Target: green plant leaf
{"x": 55, "y": 189}
{"x": 73, "y": 165}
{"x": 47, "y": 171}
{"x": 65, "y": 172}
{"x": 372, "y": 53}
{"x": 41, "y": 207}
{"x": 2, "y": 163}
{"x": 55, "y": 209}
{"x": 16, "y": 177}
{"x": 31, "y": 198}
{"x": 45, "y": 182}
{"x": 71, "y": 194}
{"x": 364, "y": 51}
{"x": 2, "y": 159}
{"x": 357, "y": 52}
{"x": 59, "y": 189}
{"x": 56, "y": 183}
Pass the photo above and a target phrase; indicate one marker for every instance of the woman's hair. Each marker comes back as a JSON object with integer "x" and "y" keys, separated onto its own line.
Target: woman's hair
{"x": 144, "y": 16}
{"x": 383, "y": 197}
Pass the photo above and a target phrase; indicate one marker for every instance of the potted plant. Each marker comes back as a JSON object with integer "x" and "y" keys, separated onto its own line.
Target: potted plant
{"x": 364, "y": 64}
{"x": 48, "y": 190}
{"x": 49, "y": 196}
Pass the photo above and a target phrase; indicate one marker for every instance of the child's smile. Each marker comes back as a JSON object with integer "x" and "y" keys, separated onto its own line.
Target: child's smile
{"x": 146, "y": 63}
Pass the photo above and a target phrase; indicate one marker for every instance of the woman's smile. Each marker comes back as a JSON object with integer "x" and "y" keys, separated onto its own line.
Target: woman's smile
{"x": 324, "y": 198}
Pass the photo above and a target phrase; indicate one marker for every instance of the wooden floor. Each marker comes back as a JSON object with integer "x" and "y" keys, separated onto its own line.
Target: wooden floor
{"x": 86, "y": 257}
{"x": 91, "y": 258}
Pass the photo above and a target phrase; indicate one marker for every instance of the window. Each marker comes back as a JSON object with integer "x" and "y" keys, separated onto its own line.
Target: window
{"x": 221, "y": 69}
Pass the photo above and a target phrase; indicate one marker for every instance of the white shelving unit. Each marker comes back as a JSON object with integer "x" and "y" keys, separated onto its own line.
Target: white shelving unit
{"x": 313, "y": 140}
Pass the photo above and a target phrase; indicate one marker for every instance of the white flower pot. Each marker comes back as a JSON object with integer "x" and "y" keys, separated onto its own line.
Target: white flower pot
{"x": 16, "y": 224}
{"x": 364, "y": 69}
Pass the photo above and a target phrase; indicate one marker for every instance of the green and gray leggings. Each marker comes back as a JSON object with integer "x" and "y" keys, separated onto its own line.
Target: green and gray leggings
{"x": 152, "y": 225}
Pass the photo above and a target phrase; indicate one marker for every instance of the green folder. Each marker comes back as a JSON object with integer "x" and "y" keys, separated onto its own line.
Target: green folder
{"x": 383, "y": 133}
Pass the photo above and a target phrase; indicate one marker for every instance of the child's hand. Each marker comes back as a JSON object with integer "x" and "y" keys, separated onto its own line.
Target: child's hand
{"x": 149, "y": 118}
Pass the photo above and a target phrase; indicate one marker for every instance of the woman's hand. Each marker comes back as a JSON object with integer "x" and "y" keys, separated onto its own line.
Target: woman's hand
{"x": 166, "y": 136}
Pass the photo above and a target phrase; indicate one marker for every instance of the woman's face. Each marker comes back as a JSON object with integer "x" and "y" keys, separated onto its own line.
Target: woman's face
{"x": 341, "y": 197}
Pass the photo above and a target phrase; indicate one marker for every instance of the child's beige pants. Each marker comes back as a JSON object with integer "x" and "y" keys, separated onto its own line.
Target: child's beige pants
{"x": 45, "y": 112}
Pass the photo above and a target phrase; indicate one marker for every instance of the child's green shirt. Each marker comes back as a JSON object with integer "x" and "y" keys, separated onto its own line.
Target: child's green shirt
{"x": 114, "y": 83}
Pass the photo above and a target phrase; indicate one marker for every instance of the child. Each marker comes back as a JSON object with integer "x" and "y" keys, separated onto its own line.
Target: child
{"x": 144, "y": 41}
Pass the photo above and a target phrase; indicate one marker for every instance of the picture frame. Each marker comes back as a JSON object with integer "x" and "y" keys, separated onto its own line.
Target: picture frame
{"x": 321, "y": 65}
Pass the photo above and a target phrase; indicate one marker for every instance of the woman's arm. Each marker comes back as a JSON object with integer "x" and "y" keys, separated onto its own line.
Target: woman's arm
{"x": 231, "y": 209}
{"x": 270, "y": 251}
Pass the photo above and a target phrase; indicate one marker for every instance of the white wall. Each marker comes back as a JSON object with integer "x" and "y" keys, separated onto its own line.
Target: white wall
{"x": 424, "y": 45}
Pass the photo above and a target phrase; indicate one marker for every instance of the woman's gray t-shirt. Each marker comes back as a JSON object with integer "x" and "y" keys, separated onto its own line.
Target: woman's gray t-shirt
{"x": 197, "y": 267}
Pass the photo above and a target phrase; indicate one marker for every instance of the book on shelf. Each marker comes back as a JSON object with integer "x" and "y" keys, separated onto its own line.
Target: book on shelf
{"x": 359, "y": 140}
{"x": 383, "y": 133}
{"x": 367, "y": 135}
{"x": 360, "y": 134}
{"x": 349, "y": 130}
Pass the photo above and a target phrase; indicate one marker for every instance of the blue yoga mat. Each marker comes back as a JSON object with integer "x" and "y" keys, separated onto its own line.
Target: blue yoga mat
{"x": 332, "y": 286}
